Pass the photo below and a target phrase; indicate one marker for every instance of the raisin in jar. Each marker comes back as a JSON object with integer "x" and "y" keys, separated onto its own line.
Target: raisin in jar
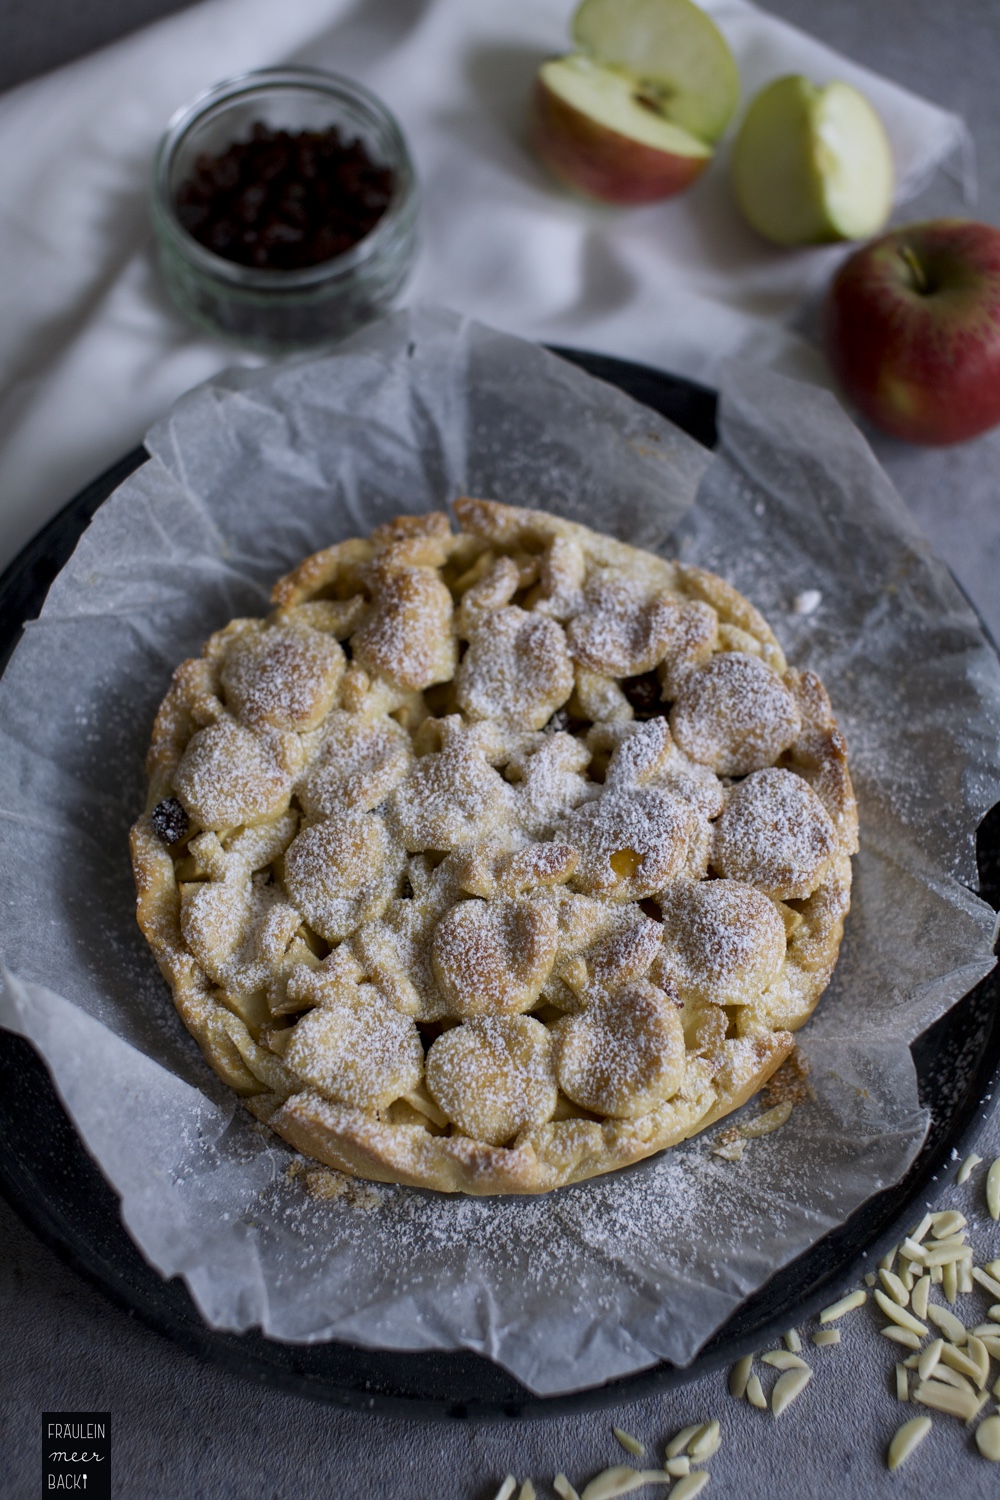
{"x": 295, "y": 267}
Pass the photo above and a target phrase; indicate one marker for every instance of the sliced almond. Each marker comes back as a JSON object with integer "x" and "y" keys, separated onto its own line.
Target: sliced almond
{"x": 958, "y": 1360}
{"x": 902, "y": 1336}
{"x": 949, "y": 1281}
{"x": 952, "y": 1327}
{"x": 707, "y": 1442}
{"x": 909, "y": 1436}
{"x": 922, "y": 1228}
{"x": 621, "y": 1480}
{"x": 988, "y": 1438}
{"x": 900, "y": 1315}
{"x": 681, "y": 1439}
{"x": 739, "y": 1375}
{"x": 967, "y": 1168}
{"x": 987, "y": 1282}
{"x": 686, "y": 1489}
{"x": 952, "y": 1377}
{"x": 979, "y": 1355}
{"x": 845, "y": 1305}
{"x": 947, "y": 1223}
{"x": 787, "y": 1387}
{"x": 895, "y": 1288}
{"x": 928, "y": 1360}
{"x": 993, "y": 1190}
{"x": 782, "y": 1359}
{"x": 755, "y": 1393}
{"x": 941, "y": 1397}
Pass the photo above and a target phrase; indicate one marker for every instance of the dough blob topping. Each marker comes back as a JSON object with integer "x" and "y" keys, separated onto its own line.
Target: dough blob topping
{"x": 494, "y": 859}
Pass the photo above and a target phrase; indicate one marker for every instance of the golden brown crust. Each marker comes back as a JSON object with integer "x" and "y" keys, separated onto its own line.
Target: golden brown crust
{"x": 459, "y": 828}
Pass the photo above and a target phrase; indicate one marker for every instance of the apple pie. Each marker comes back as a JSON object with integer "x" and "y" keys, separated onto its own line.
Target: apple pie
{"x": 494, "y": 859}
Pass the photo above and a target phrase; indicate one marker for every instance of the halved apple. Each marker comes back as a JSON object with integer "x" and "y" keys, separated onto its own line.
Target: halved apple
{"x": 593, "y": 134}
{"x": 633, "y": 115}
{"x": 813, "y": 164}
{"x": 673, "y": 50}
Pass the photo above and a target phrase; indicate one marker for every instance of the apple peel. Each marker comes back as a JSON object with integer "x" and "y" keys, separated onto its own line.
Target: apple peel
{"x": 632, "y": 116}
{"x": 590, "y": 131}
{"x": 912, "y": 330}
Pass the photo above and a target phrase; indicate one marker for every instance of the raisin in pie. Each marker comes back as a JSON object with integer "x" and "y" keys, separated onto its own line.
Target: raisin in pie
{"x": 496, "y": 859}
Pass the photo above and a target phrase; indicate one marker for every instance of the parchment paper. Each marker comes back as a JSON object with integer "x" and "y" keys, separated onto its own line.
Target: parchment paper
{"x": 254, "y": 470}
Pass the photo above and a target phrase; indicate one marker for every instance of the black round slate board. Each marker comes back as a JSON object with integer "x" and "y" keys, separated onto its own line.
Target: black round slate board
{"x": 50, "y": 1180}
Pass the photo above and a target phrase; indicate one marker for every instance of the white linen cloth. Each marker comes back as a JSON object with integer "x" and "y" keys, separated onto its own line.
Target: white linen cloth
{"x": 91, "y": 352}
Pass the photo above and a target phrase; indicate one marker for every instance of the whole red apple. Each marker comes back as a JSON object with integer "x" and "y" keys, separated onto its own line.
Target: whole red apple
{"x": 912, "y": 330}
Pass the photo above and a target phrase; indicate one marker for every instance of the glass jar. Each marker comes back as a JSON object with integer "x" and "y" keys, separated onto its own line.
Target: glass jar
{"x": 278, "y": 310}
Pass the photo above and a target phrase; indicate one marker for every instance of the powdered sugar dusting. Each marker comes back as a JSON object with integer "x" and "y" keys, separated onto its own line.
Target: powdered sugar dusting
{"x": 594, "y": 1281}
{"x": 775, "y": 833}
{"x": 734, "y": 715}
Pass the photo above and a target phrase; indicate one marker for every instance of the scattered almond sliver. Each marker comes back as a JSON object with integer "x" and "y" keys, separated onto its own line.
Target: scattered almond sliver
{"x": 988, "y": 1438}
{"x": 507, "y": 1488}
{"x": 929, "y": 1359}
{"x": 782, "y": 1359}
{"x": 787, "y": 1387}
{"x": 771, "y": 1120}
{"x": 681, "y": 1439}
{"x": 686, "y": 1489}
{"x": 967, "y": 1168}
{"x": 899, "y": 1315}
{"x": 845, "y": 1305}
{"x": 895, "y": 1288}
{"x": 993, "y": 1190}
{"x": 988, "y": 1283}
{"x": 941, "y": 1397}
{"x": 906, "y": 1439}
{"x": 621, "y": 1480}
{"x": 949, "y": 1376}
{"x": 921, "y": 1230}
{"x": 707, "y": 1442}
{"x": 948, "y": 1223}
{"x": 953, "y": 1371}
{"x": 904, "y": 1336}
{"x": 740, "y": 1374}
{"x": 952, "y": 1327}
{"x": 755, "y": 1393}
